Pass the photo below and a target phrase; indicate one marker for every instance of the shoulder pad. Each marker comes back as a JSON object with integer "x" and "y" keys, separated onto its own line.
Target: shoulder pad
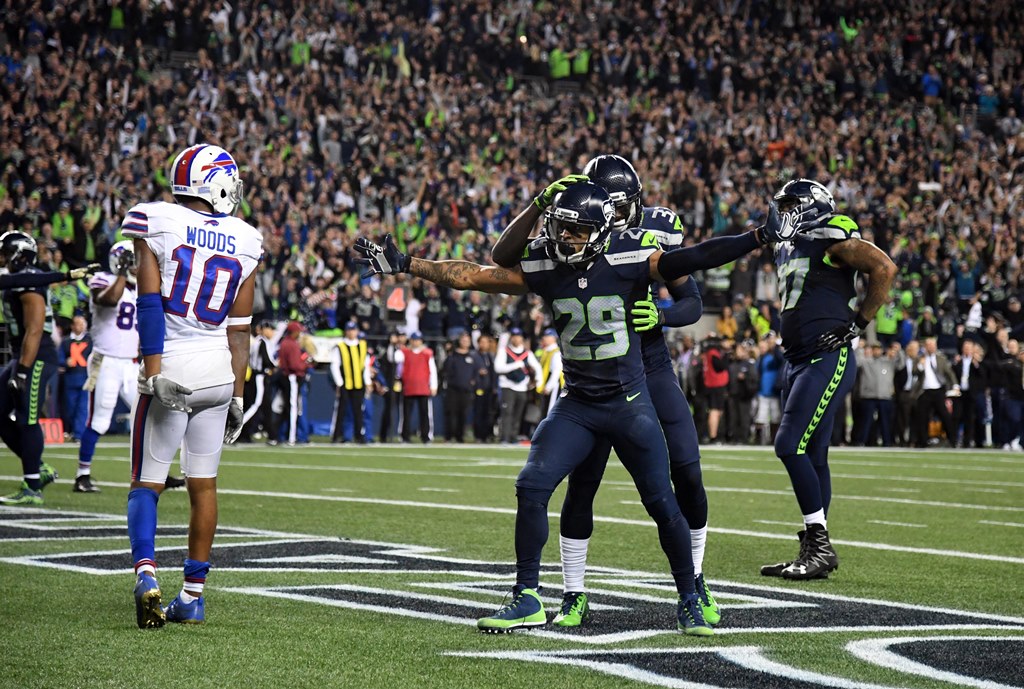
{"x": 836, "y": 227}
{"x": 536, "y": 258}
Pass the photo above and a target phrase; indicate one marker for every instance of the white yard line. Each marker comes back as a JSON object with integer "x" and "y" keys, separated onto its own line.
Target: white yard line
{"x": 985, "y": 521}
{"x": 884, "y": 523}
{"x": 598, "y": 518}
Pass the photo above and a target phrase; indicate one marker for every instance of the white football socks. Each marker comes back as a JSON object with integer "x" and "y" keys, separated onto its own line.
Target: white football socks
{"x": 698, "y": 538}
{"x": 574, "y": 562}
{"x": 815, "y": 518}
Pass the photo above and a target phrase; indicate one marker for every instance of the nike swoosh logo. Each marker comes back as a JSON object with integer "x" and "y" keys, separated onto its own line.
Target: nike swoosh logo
{"x": 630, "y": 398}
{"x": 814, "y": 361}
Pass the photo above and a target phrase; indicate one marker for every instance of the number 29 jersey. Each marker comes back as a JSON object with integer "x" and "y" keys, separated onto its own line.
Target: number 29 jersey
{"x": 203, "y": 259}
{"x": 600, "y": 352}
{"x": 114, "y": 330}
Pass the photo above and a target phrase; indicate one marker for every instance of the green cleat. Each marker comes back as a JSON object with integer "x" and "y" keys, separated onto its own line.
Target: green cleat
{"x": 47, "y": 475}
{"x": 25, "y": 496}
{"x": 575, "y": 608}
{"x": 689, "y": 617}
{"x": 708, "y": 604}
{"x": 525, "y": 610}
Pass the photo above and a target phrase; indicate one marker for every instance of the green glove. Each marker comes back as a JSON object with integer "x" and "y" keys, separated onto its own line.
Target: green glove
{"x": 646, "y": 316}
{"x": 545, "y": 198}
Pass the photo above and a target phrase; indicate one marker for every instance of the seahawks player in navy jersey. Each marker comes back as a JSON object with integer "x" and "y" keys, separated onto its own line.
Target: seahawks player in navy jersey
{"x": 618, "y": 177}
{"x": 817, "y": 272}
{"x": 589, "y": 277}
{"x": 24, "y": 380}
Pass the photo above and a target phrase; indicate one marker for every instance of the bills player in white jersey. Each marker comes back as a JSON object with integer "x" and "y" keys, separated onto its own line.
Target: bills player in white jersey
{"x": 113, "y": 370}
{"x": 196, "y": 278}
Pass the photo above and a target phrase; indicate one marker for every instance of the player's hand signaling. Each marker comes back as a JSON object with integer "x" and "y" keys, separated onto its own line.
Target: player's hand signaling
{"x": 645, "y": 316}
{"x": 382, "y": 260}
{"x": 778, "y": 228}
{"x": 169, "y": 393}
{"x": 545, "y": 198}
{"x": 235, "y": 421}
{"x": 84, "y": 272}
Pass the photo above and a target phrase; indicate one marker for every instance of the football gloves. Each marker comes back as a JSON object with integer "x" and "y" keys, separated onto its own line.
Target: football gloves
{"x": 645, "y": 316}
{"x": 18, "y": 382}
{"x": 838, "y": 337}
{"x": 236, "y": 419}
{"x": 169, "y": 393}
{"x": 778, "y": 228}
{"x": 382, "y": 260}
{"x": 83, "y": 272}
{"x": 545, "y": 198}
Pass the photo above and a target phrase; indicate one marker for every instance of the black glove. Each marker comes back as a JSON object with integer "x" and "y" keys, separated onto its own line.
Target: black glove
{"x": 778, "y": 228}
{"x": 18, "y": 382}
{"x": 842, "y": 335}
{"x": 382, "y": 260}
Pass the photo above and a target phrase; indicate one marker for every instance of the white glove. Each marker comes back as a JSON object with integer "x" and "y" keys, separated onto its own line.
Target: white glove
{"x": 169, "y": 393}
{"x": 235, "y": 420}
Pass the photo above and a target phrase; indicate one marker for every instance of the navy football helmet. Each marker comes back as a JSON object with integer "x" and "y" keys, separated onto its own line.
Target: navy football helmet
{"x": 582, "y": 210}
{"x": 808, "y": 202}
{"x": 19, "y": 250}
{"x": 617, "y": 176}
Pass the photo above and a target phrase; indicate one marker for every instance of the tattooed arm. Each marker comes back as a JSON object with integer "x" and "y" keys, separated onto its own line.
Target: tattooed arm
{"x": 466, "y": 275}
{"x": 866, "y": 258}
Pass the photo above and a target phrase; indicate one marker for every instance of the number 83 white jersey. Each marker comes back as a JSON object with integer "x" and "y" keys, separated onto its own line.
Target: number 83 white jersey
{"x": 114, "y": 329}
{"x": 203, "y": 258}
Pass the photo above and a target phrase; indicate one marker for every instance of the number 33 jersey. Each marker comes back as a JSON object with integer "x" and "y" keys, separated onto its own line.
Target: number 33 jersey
{"x": 589, "y": 306}
{"x": 114, "y": 330}
{"x": 203, "y": 259}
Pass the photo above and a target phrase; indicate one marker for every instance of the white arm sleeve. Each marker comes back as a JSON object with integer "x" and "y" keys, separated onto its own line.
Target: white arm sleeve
{"x": 433, "y": 373}
{"x": 336, "y": 367}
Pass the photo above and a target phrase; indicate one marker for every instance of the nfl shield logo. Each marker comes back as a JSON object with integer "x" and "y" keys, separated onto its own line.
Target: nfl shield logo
{"x": 583, "y": 283}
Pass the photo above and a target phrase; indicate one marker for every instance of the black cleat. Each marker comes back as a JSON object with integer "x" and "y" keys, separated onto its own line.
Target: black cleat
{"x": 776, "y": 569}
{"x": 84, "y": 484}
{"x": 174, "y": 482}
{"x": 818, "y": 559}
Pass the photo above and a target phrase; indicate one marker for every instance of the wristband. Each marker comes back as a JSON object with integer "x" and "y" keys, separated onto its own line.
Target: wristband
{"x": 23, "y": 370}
{"x": 861, "y": 322}
{"x": 238, "y": 320}
{"x": 152, "y": 329}
{"x": 239, "y": 401}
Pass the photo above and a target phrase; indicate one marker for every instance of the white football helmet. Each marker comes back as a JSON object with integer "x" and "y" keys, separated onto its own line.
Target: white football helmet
{"x": 121, "y": 253}
{"x": 207, "y": 172}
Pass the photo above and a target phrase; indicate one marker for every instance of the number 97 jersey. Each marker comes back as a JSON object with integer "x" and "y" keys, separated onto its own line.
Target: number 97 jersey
{"x": 203, "y": 259}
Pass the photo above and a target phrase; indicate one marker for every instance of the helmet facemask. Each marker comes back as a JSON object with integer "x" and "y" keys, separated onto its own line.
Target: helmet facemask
{"x": 571, "y": 241}
{"x": 807, "y": 201}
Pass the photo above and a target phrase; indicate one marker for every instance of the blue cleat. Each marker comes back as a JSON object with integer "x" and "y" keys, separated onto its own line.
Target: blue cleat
{"x": 186, "y": 613}
{"x": 524, "y": 611}
{"x": 690, "y": 617}
{"x": 148, "y": 614}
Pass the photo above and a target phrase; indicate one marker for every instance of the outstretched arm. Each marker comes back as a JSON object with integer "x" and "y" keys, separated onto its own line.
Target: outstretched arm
{"x": 19, "y": 280}
{"x": 667, "y": 266}
{"x": 388, "y": 260}
{"x": 466, "y": 275}
{"x": 866, "y": 258}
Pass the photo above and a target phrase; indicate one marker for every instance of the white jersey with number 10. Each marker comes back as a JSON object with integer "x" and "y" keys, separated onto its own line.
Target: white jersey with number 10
{"x": 203, "y": 258}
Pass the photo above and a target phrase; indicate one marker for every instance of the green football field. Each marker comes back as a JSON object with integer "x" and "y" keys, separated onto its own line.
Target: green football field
{"x": 367, "y": 567}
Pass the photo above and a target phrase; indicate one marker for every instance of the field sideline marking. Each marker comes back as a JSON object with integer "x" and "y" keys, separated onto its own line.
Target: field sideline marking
{"x": 607, "y": 482}
{"x": 984, "y": 521}
{"x": 597, "y": 518}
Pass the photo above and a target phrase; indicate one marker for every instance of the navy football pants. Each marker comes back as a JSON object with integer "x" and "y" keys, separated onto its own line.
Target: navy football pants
{"x": 813, "y": 394}
{"x": 683, "y": 453}
{"x": 565, "y": 439}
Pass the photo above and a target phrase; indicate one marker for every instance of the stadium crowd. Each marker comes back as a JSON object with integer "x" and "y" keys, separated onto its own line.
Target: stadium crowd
{"x": 438, "y": 121}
